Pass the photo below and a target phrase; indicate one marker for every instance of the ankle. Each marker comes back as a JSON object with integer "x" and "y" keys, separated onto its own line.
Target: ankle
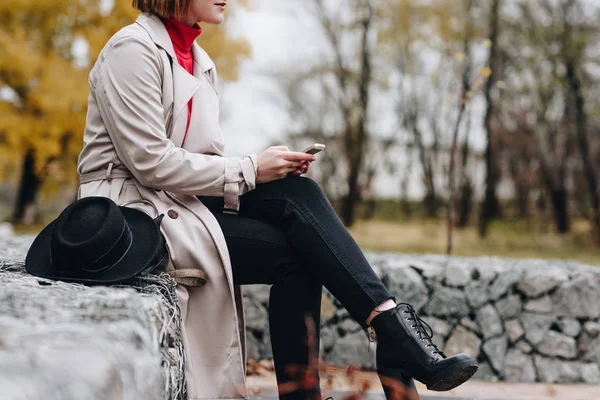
{"x": 386, "y": 305}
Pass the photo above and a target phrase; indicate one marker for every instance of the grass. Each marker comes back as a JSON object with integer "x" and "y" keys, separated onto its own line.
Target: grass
{"x": 510, "y": 239}
{"x": 506, "y": 239}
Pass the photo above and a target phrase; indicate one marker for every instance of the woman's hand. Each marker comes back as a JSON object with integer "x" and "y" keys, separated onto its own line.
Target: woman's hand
{"x": 303, "y": 168}
{"x": 277, "y": 162}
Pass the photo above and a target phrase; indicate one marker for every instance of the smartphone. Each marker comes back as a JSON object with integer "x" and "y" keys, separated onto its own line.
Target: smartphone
{"x": 315, "y": 148}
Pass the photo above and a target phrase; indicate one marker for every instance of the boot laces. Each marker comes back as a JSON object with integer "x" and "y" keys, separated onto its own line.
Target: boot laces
{"x": 422, "y": 329}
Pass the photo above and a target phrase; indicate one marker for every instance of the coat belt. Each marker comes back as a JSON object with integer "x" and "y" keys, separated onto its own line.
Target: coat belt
{"x": 186, "y": 277}
{"x": 105, "y": 174}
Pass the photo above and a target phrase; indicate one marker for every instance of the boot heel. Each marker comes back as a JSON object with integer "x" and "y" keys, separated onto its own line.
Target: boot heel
{"x": 397, "y": 385}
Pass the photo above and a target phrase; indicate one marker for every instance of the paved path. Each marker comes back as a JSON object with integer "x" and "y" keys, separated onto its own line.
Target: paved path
{"x": 371, "y": 396}
{"x": 264, "y": 388}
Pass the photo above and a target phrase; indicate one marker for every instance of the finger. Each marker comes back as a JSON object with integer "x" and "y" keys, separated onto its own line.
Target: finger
{"x": 297, "y": 156}
{"x": 297, "y": 172}
{"x": 288, "y": 164}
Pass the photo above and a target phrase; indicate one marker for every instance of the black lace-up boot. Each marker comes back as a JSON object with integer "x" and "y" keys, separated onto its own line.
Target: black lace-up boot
{"x": 405, "y": 349}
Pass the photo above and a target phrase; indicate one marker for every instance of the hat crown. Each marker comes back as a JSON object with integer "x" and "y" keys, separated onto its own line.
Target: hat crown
{"x": 91, "y": 235}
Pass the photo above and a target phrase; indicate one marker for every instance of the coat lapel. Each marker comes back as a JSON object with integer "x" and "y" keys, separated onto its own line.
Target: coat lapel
{"x": 184, "y": 84}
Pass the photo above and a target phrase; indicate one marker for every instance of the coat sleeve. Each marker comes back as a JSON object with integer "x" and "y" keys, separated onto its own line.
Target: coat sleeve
{"x": 128, "y": 92}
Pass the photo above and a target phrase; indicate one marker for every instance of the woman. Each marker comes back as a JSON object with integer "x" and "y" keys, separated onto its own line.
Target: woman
{"x": 152, "y": 137}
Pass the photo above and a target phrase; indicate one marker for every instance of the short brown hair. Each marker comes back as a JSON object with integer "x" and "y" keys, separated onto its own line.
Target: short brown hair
{"x": 163, "y": 8}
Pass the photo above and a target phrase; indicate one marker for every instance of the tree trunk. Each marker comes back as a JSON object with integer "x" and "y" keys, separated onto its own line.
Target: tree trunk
{"x": 491, "y": 207}
{"x": 28, "y": 189}
{"x": 348, "y": 207}
{"x": 465, "y": 205}
{"x": 520, "y": 173}
{"x": 356, "y": 138}
{"x": 559, "y": 200}
{"x": 404, "y": 182}
{"x": 522, "y": 200}
{"x": 583, "y": 144}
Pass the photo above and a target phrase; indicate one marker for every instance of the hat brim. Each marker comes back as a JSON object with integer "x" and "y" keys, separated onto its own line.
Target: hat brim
{"x": 138, "y": 260}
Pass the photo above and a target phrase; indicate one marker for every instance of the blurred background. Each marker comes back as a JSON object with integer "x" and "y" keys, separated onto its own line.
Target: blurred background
{"x": 463, "y": 126}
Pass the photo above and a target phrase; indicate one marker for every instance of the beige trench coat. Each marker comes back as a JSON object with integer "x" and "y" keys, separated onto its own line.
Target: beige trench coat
{"x": 134, "y": 149}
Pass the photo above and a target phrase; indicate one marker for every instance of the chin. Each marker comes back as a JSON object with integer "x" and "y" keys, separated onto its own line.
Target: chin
{"x": 215, "y": 20}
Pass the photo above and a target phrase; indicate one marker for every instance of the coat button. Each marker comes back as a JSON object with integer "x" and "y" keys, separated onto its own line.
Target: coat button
{"x": 172, "y": 214}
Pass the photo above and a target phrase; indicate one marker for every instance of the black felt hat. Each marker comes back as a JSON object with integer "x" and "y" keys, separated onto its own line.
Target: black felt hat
{"x": 94, "y": 241}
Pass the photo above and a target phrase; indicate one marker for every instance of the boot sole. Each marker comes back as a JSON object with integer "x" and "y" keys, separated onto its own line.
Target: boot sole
{"x": 453, "y": 376}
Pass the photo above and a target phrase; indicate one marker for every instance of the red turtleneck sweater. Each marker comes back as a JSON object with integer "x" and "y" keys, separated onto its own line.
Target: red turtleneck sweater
{"x": 183, "y": 38}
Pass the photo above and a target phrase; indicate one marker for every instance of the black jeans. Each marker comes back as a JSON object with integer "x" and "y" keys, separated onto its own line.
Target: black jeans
{"x": 288, "y": 235}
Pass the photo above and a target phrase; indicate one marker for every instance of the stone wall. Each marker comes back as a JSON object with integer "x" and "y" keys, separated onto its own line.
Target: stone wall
{"x": 71, "y": 342}
{"x": 524, "y": 320}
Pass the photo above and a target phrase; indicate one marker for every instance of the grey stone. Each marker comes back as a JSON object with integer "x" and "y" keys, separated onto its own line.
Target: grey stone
{"x": 477, "y": 293}
{"x": 558, "y": 344}
{"x": 495, "y": 349}
{"x": 470, "y": 324}
{"x": 536, "y": 326}
{"x": 428, "y": 270}
{"x": 352, "y": 349}
{"x": 342, "y": 314}
{"x": 350, "y": 326}
{"x": 328, "y": 338}
{"x": 462, "y": 340}
{"x": 438, "y": 326}
{"x": 489, "y": 321}
{"x": 328, "y": 308}
{"x": 578, "y": 298}
{"x": 524, "y": 347}
{"x": 485, "y": 373}
{"x": 590, "y": 348}
{"x": 509, "y": 307}
{"x": 256, "y": 315}
{"x": 408, "y": 286}
{"x": 487, "y": 272}
{"x": 541, "y": 305}
{"x": 6, "y": 231}
{"x": 514, "y": 330}
{"x": 553, "y": 371}
{"x": 518, "y": 367}
{"x": 590, "y": 373}
{"x": 458, "y": 274}
{"x": 539, "y": 281}
{"x": 267, "y": 351}
{"x": 259, "y": 293}
{"x": 569, "y": 326}
{"x": 447, "y": 302}
{"x": 254, "y": 347}
{"x": 592, "y": 328}
{"x": 80, "y": 372}
{"x": 504, "y": 282}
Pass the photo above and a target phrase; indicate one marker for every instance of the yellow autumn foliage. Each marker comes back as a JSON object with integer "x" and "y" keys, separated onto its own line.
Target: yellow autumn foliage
{"x": 43, "y": 90}
{"x": 437, "y": 24}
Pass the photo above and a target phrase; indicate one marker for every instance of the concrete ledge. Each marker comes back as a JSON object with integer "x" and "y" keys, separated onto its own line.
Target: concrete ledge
{"x": 71, "y": 342}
